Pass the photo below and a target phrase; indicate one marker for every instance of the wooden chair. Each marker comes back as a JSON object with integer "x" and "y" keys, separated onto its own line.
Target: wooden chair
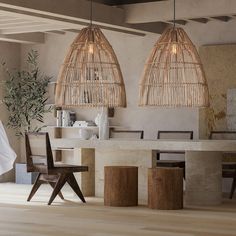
{"x": 39, "y": 159}
{"x": 229, "y": 159}
{"x": 172, "y": 135}
{"x": 139, "y": 134}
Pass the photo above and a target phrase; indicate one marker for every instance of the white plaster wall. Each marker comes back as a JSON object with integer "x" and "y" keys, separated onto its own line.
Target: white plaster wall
{"x": 9, "y": 53}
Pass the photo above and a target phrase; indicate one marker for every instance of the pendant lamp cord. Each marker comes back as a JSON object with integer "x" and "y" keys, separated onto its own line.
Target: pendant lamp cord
{"x": 91, "y": 12}
{"x": 174, "y": 13}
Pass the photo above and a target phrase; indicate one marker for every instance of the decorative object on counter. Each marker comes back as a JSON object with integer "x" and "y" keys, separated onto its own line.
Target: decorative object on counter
{"x": 173, "y": 75}
{"x": 26, "y": 96}
{"x": 85, "y": 134}
{"x": 97, "y": 119}
{"x": 83, "y": 123}
{"x": 65, "y": 118}
{"x": 111, "y": 112}
{"x": 104, "y": 124}
{"x": 59, "y": 118}
{"x": 72, "y": 118}
{"x": 90, "y": 75}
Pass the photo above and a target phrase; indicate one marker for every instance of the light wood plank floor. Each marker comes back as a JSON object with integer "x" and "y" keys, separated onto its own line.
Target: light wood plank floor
{"x": 73, "y": 218}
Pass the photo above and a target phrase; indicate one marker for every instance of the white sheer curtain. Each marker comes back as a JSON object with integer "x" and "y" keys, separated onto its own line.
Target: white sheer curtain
{"x": 7, "y": 155}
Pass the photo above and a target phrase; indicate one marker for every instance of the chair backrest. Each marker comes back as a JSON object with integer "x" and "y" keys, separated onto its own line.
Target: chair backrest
{"x": 167, "y": 134}
{"x": 225, "y": 135}
{"x": 134, "y": 134}
{"x": 38, "y": 151}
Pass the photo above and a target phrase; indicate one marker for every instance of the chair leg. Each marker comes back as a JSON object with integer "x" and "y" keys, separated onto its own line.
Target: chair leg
{"x": 233, "y": 188}
{"x": 74, "y": 185}
{"x": 60, "y": 183}
{"x": 59, "y": 194}
{"x": 35, "y": 187}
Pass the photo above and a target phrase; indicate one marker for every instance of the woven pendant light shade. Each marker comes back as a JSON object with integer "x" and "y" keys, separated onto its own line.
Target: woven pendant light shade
{"x": 173, "y": 75}
{"x": 90, "y": 75}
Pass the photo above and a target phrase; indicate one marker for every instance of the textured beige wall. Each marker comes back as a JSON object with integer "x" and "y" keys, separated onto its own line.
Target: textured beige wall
{"x": 10, "y": 53}
{"x": 220, "y": 67}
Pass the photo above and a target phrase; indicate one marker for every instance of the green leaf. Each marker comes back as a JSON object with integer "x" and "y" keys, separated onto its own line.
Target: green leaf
{"x": 25, "y": 96}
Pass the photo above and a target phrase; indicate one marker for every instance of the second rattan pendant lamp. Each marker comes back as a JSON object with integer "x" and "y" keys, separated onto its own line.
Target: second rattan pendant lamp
{"x": 90, "y": 75}
{"x": 173, "y": 75}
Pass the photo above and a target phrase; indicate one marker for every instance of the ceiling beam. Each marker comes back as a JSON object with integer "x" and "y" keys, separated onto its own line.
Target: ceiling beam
{"x": 31, "y": 38}
{"x": 179, "y": 22}
{"x": 31, "y": 29}
{"x": 222, "y": 18}
{"x": 200, "y": 20}
{"x": 56, "y": 32}
{"x": 73, "y": 12}
{"x": 163, "y": 11}
{"x": 21, "y": 25}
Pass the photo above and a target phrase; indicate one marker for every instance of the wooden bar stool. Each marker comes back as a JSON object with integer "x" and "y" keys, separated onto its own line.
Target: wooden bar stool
{"x": 165, "y": 188}
{"x": 121, "y": 186}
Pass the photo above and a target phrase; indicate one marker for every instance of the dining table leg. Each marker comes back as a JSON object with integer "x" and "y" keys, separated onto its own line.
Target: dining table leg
{"x": 203, "y": 178}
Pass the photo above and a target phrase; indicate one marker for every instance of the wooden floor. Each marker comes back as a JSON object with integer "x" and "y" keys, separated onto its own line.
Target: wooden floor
{"x": 73, "y": 218}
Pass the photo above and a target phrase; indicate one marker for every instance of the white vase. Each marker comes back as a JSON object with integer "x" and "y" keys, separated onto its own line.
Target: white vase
{"x": 103, "y": 124}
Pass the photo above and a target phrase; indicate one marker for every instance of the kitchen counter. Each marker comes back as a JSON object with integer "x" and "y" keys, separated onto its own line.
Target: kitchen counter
{"x": 177, "y": 145}
{"x": 203, "y": 163}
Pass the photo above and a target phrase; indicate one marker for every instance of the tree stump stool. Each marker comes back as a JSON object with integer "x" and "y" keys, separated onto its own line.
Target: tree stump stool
{"x": 165, "y": 188}
{"x": 121, "y": 186}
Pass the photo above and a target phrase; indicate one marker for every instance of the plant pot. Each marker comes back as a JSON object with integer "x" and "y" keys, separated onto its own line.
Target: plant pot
{"x": 22, "y": 176}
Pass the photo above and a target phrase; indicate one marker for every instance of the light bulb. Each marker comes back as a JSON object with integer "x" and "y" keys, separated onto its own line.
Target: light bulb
{"x": 91, "y": 48}
{"x": 174, "y": 48}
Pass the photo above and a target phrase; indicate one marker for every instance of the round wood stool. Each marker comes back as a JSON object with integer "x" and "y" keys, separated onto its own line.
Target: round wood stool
{"x": 121, "y": 186}
{"x": 165, "y": 188}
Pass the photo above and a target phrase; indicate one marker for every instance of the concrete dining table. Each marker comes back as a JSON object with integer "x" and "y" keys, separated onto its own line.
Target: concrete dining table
{"x": 203, "y": 182}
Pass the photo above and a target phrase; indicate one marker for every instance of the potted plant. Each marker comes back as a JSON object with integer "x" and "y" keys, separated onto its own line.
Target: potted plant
{"x": 25, "y": 97}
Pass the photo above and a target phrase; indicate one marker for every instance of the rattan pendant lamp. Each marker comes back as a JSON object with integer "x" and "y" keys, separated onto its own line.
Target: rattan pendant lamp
{"x": 90, "y": 75}
{"x": 173, "y": 75}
